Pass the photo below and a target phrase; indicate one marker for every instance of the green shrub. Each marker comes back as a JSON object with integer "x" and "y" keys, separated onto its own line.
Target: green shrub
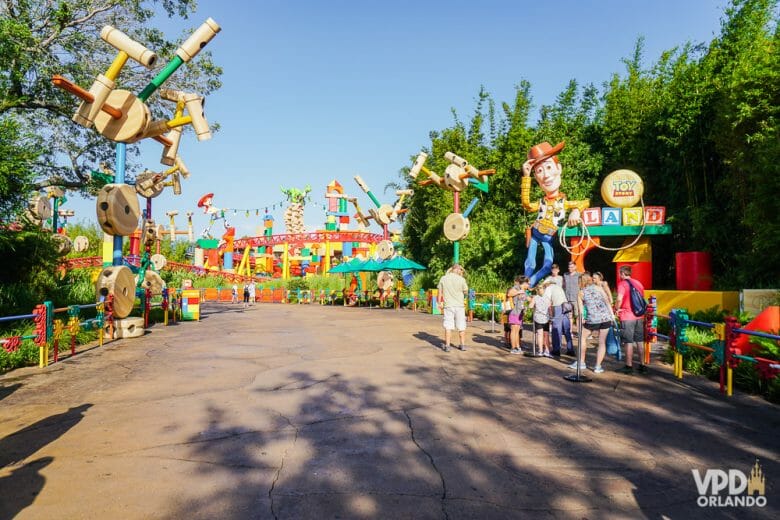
{"x": 765, "y": 347}
{"x": 700, "y": 335}
{"x": 713, "y": 314}
{"x": 26, "y": 355}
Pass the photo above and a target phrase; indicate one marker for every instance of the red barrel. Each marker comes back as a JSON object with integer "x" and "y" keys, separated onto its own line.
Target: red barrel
{"x": 641, "y": 271}
{"x": 693, "y": 271}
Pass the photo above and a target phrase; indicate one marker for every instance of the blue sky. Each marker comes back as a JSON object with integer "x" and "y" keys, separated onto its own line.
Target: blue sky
{"x": 317, "y": 90}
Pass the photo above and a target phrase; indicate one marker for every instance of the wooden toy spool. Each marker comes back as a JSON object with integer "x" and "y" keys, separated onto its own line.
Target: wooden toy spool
{"x": 159, "y": 261}
{"x": 385, "y": 249}
{"x": 118, "y": 210}
{"x": 131, "y": 126}
{"x": 126, "y": 328}
{"x": 80, "y": 244}
{"x": 149, "y": 233}
{"x": 385, "y": 280}
{"x": 64, "y": 245}
{"x": 456, "y": 227}
{"x": 146, "y": 186}
{"x": 39, "y": 207}
{"x": 119, "y": 281}
{"x": 153, "y": 282}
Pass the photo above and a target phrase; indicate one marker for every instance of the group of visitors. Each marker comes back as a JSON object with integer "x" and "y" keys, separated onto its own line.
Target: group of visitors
{"x": 248, "y": 294}
{"x": 556, "y": 304}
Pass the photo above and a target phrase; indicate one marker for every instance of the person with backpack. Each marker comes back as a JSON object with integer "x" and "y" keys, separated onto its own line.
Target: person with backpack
{"x": 631, "y": 306}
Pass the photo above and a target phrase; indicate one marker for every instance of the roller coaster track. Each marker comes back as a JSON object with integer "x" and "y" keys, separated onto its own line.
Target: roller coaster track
{"x": 296, "y": 239}
{"x": 135, "y": 261}
{"x": 299, "y": 239}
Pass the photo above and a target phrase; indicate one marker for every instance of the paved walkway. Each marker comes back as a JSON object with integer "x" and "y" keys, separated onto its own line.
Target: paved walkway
{"x": 285, "y": 411}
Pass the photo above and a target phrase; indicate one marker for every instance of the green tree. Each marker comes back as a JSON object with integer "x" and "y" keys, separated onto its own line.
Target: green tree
{"x": 18, "y": 155}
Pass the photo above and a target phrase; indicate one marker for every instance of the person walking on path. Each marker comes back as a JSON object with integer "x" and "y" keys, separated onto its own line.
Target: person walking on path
{"x": 452, "y": 292}
{"x": 234, "y": 293}
{"x": 632, "y": 326}
{"x": 251, "y": 293}
{"x": 246, "y": 294}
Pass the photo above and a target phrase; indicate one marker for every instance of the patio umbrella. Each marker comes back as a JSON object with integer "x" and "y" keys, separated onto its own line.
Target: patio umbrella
{"x": 401, "y": 263}
{"x": 347, "y": 267}
{"x": 372, "y": 266}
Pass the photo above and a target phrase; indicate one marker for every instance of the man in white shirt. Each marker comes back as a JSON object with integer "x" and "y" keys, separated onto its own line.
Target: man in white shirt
{"x": 452, "y": 291}
{"x": 557, "y": 298}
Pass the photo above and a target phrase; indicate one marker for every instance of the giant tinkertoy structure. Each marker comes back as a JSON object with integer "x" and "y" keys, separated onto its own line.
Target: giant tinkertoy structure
{"x": 124, "y": 117}
{"x": 457, "y": 177}
{"x": 383, "y": 214}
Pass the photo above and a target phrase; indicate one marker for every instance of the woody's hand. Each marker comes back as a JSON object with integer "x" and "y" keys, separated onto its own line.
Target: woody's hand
{"x": 574, "y": 217}
{"x": 527, "y": 168}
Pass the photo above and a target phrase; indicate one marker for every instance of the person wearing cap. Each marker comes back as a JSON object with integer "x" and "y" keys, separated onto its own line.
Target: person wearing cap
{"x": 543, "y": 162}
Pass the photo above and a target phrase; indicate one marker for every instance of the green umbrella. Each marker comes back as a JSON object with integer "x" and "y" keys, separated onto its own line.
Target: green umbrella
{"x": 372, "y": 266}
{"x": 401, "y": 263}
{"x": 347, "y": 267}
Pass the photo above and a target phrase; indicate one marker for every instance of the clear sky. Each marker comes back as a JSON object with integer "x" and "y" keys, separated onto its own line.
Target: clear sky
{"x": 316, "y": 90}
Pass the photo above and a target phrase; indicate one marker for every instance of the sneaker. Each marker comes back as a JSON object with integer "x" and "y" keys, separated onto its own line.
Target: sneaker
{"x": 446, "y": 348}
{"x": 570, "y": 353}
{"x": 462, "y": 348}
{"x": 642, "y": 369}
{"x": 547, "y": 354}
{"x": 574, "y": 366}
{"x": 515, "y": 351}
{"x": 626, "y": 370}
{"x": 598, "y": 369}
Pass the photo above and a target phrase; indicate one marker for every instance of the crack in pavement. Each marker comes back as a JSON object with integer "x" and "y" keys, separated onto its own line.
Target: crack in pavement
{"x": 305, "y": 386}
{"x": 281, "y": 466}
{"x": 433, "y": 463}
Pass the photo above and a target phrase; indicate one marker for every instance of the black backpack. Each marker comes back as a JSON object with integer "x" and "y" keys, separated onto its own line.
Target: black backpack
{"x": 638, "y": 303}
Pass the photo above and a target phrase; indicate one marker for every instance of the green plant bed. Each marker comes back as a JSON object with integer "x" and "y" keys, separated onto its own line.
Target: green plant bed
{"x": 28, "y": 352}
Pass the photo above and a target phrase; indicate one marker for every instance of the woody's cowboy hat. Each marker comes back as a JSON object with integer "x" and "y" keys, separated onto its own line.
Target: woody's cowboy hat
{"x": 543, "y": 151}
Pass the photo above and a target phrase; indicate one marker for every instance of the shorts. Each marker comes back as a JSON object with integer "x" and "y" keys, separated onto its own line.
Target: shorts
{"x": 455, "y": 318}
{"x": 575, "y": 311}
{"x": 542, "y": 326}
{"x": 515, "y": 319}
{"x": 632, "y": 331}
{"x": 598, "y": 326}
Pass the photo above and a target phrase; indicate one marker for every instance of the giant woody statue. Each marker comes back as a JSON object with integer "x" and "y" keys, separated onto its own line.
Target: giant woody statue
{"x": 543, "y": 162}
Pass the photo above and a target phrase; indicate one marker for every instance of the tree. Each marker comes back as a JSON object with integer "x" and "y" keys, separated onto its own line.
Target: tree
{"x": 39, "y": 39}
{"x": 18, "y": 154}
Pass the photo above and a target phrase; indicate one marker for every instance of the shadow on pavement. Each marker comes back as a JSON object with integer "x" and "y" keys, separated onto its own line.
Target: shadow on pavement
{"x": 436, "y": 341}
{"x": 5, "y": 391}
{"x": 20, "y": 445}
{"x": 354, "y": 449}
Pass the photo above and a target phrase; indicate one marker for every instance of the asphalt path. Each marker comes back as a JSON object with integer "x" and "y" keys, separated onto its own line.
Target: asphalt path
{"x": 308, "y": 411}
